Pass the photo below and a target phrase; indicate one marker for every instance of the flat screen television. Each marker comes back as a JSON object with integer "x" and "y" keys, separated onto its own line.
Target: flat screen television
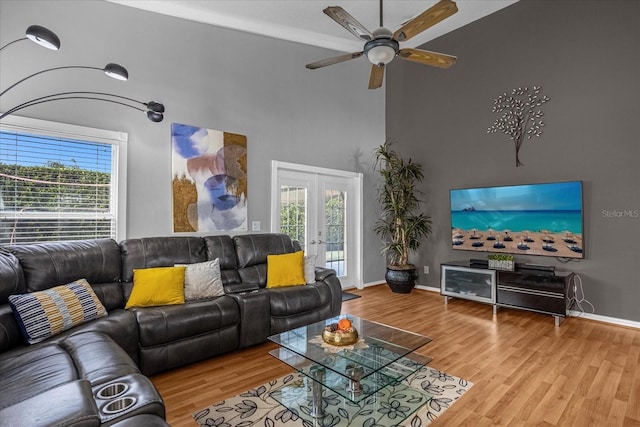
{"x": 534, "y": 219}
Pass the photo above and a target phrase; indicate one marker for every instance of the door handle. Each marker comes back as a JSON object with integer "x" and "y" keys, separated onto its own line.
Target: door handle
{"x": 313, "y": 242}
{"x": 320, "y": 242}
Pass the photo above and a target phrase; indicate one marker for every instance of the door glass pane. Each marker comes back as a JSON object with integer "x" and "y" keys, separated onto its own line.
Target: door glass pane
{"x": 336, "y": 232}
{"x": 293, "y": 210}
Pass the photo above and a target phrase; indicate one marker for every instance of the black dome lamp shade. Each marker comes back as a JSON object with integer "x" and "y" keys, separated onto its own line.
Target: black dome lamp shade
{"x": 116, "y": 71}
{"x": 43, "y": 36}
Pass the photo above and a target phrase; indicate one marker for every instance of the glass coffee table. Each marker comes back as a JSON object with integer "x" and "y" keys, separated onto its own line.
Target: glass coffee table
{"x": 359, "y": 384}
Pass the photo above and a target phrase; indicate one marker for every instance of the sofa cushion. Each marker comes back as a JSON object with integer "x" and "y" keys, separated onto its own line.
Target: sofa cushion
{"x": 44, "y": 314}
{"x": 157, "y": 286}
{"x": 49, "y": 264}
{"x": 69, "y": 404}
{"x": 299, "y": 306}
{"x": 223, "y": 248}
{"x": 285, "y": 270}
{"x": 111, "y": 294}
{"x": 290, "y": 301}
{"x": 252, "y": 251}
{"x": 162, "y": 325}
{"x": 253, "y": 248}
{"x": 151, "y": 252}
{"x": 28, "y": 373}
{"x": 310, "y": 269}
{"x": 202, "y": 280}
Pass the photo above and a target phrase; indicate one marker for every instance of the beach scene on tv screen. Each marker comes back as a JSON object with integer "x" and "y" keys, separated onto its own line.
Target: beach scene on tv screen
{"x": 534, "y": 219}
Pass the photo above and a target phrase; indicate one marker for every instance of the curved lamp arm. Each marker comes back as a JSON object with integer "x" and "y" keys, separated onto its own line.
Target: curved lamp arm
{"x": 155, "y": 110}
{"x": 112, "y": 70}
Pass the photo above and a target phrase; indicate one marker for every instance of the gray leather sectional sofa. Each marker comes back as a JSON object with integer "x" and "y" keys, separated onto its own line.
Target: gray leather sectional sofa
{"x": 96, "y": 374}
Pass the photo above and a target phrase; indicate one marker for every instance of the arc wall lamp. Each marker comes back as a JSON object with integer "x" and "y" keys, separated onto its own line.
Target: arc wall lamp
{"x": 47, "y": 38}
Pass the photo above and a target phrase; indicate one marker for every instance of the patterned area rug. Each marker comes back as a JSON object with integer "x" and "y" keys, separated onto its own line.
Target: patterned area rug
{"x": 414, "y": 402}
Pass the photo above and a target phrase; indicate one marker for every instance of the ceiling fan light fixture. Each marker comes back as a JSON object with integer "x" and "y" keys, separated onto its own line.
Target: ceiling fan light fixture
{"x": 381, "y": 51}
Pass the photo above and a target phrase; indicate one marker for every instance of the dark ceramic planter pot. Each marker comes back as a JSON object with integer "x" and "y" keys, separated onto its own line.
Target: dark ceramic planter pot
{"x": 401, "y": 281}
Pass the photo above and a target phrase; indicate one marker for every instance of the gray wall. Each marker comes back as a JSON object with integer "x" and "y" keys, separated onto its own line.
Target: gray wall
{"x": 206, "y": 76}
{"x": 586, "y": 57}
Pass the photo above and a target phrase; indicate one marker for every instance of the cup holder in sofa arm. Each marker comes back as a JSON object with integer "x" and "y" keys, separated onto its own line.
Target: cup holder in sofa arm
{"x": 127, "y": 396}
{"x": 119, "y": 405}
{"x": 111, "y": 391}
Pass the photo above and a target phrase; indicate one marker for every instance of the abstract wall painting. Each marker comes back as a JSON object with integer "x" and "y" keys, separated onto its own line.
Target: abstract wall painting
{"x": 209, "y": 170}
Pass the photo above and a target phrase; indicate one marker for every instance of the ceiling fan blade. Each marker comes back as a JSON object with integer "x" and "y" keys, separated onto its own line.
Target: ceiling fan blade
{"x": 377, "y": 74}
{"x": 441, "y": 10}
{"x": 426, "y": 57}
{"x": 334, "y": 60}
{"x": 343, "y": 18}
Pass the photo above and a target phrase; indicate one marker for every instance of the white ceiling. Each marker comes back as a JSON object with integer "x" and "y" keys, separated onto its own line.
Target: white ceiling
{"x": 303, "y": 21}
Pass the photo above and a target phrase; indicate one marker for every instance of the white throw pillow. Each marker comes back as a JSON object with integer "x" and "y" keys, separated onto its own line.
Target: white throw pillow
{"x": 310, "y": 269}
{"x": 202, "y": 280}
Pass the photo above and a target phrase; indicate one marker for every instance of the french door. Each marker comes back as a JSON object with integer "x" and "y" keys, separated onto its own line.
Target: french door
{"x": 321, "y": 208}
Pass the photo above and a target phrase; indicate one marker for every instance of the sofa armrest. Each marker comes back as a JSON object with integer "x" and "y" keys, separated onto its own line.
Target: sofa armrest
{"x": 237, "y": 288}
{"x": 10, "y": 335}
{"x": 70, "y": 404}
{"x": 329, "y": 277}
{"x": 97, "y": 358}
{"x": 255, "y": 318}
{"x": 322, "y": 273}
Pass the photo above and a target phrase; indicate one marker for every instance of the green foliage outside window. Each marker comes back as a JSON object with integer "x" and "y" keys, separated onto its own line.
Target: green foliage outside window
{"x": 292, "y": 220}
{"x": 55, "y": 188}
{"x": 39, "y": 188}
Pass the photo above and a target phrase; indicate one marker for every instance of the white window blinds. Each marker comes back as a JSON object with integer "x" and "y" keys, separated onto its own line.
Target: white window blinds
{"x": 57, "y": 182}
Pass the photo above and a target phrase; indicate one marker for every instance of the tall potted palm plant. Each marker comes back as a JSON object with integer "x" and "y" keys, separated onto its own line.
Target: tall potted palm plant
{"x": 401, "y": 226}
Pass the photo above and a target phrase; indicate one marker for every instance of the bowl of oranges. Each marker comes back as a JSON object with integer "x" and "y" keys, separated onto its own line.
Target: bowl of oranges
{"x": 340, "y": 333}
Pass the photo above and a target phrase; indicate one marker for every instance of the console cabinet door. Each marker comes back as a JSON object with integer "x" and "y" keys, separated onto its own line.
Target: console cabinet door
{"x": 468, "y": 283}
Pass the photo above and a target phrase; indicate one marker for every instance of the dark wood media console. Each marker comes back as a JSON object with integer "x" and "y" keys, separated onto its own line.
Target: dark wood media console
{"x": 529, "y": 287}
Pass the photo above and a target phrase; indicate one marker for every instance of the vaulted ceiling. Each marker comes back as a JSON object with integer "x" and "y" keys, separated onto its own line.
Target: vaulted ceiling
{"x": 303, "y": 21}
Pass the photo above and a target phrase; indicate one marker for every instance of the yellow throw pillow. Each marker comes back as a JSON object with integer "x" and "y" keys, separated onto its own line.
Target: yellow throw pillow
{"x": 285, "y": 270}
{"x": 157, "y": 286}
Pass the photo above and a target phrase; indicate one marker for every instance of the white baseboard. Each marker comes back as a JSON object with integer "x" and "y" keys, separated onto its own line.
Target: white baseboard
{"x": 570, "y": 313}
{"x": 367, "y": 285}
{"x": 428, "y": 288}
{"x": 605, "y": 319}
{"x": 573, "y": 313}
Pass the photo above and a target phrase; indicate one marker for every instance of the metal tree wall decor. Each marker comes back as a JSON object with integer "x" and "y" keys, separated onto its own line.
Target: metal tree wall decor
{"x": 520, "y": 115}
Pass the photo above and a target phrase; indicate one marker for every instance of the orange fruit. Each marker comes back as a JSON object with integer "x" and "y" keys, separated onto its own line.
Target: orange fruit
{"x": 344, "y": 324}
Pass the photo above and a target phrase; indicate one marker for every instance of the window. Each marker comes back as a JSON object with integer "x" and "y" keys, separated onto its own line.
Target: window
{"x": 60, "y": 182}
{"x": 293, "y": 204}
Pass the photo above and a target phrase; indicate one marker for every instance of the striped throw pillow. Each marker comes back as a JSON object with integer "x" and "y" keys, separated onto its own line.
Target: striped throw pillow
{"x": 44, "y": 314}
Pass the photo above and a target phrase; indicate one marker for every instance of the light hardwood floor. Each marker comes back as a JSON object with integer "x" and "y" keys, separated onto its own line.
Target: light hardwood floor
{"x": 525, "y": 370}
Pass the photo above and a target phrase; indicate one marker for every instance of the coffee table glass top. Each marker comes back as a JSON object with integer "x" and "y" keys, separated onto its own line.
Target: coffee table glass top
{"x": 383, "y": 355}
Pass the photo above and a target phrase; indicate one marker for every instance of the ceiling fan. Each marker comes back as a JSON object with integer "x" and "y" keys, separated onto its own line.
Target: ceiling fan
{"x": 381, "y": 45}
